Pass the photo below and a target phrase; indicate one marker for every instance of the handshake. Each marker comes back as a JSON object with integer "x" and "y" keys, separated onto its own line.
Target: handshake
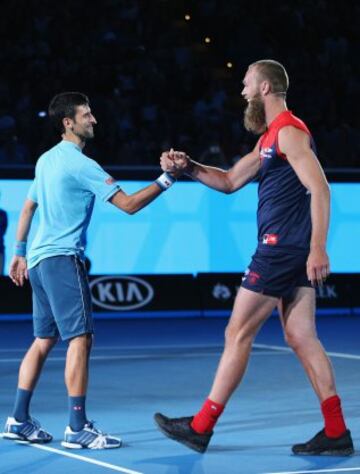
{"x": 175, "y": 162}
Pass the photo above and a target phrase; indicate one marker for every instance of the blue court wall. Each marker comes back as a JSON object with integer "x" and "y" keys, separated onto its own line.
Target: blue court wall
{"x": 190, "y": 229}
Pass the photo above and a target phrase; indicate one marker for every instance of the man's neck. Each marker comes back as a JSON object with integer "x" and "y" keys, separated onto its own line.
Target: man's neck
{"x": 70, "y": 137}
{"x": 273, "y": 107}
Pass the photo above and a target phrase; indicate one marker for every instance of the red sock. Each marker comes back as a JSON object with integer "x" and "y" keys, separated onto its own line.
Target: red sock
{"x": 205, "y": 420}
{"x": 333, "y": 417}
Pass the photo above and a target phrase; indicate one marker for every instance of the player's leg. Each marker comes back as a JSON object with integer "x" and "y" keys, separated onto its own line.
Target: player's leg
{"x": 21, "y": 426}
{"x": 70, "y": 299}
{"x": 249, "y": 313}
{"x": 250, "y": 310}
{"x": 298, "y": 319}
{"x": 30, "y": 370}
{"x": 76, "y": 379}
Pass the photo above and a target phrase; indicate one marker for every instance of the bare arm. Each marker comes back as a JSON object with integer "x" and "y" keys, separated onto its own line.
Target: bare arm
{"x": 225, "y": 181}
{"x": 18, "y": 267}
{"x": 134, "y": 202}
{"x": 295, "y": 144}
{"x": 26, "y": 216}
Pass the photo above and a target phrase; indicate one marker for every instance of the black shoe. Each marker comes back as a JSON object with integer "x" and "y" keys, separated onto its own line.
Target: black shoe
{"x": 180, "y": 430}
{"x": 321, "y": 444}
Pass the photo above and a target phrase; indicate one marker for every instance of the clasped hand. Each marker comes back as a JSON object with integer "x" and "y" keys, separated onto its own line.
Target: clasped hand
{"x": 175, "y": 162}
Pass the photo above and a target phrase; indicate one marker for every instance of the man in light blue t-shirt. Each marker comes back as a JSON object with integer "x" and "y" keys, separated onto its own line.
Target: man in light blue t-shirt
{"x": 64, "y": 190}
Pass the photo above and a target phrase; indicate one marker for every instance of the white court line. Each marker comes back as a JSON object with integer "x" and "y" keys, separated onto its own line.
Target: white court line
{"x": 341, "y": 355}
{"x": 85, "y": 459}
{"x": 344, "y": 469}
{"x": 139, "y": 356}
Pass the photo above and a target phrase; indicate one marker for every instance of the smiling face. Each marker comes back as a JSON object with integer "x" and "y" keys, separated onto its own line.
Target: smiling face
{"x": 82, "y": 125}
{"x": 254, "y": 114}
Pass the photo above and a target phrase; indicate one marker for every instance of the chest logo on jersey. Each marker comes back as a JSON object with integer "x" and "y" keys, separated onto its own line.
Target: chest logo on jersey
{"x": 266, "y": 153}
{"x": 270, "y": 239}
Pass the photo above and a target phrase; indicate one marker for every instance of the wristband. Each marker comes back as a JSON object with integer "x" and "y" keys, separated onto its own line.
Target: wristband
{"x": 164, "y": 181}
{"x": 20, "y": 249}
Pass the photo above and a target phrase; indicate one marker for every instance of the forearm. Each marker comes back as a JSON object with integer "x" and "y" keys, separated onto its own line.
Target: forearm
{"x": 24, "y": 223}
{"x": 135, "y": 202}
{"x": 142, "y": 198}
{"x": 215, "y": 178}
{"x": 320, "y": 215}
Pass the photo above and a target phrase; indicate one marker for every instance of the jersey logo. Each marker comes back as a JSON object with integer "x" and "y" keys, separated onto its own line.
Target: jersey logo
{"x": 251, "y": 276}
{"x": 270, "y": 239}
{"x": 266, "y": 152}
{"x": 110, "y": 180}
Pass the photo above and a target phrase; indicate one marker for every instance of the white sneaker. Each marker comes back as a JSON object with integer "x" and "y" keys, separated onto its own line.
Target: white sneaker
{"x": 89, "y": 437}
{"x": 28, "y": 431}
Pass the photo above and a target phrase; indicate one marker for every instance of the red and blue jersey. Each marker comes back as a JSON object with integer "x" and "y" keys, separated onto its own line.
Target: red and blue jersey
{"x": 283, "y": 216}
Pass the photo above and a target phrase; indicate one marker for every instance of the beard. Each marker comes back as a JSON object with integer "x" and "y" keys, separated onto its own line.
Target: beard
{"x": 85, "y": 134}
{"x": 254, "y": 116}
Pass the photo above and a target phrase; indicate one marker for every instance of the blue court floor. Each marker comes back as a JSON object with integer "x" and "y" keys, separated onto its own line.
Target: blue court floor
{"x": 143, "y": 366}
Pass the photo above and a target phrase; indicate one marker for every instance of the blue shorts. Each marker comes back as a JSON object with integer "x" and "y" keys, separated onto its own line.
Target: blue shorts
{"x": 61, "y": 298}
{"x": 276, "y": 274}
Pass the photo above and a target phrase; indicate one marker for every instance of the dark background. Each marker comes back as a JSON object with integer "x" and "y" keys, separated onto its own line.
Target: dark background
{"x": 154, "y": 82}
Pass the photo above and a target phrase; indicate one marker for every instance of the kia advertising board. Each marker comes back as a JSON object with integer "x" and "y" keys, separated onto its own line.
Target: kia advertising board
{"x": 206, "y": 294}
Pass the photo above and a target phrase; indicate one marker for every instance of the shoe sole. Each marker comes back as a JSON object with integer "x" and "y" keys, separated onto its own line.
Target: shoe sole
{"x": 64, "y": 444}
{"x": 198, "y": 449}
{"x": 333, "y": 452}
{"x": 18, "y": 439}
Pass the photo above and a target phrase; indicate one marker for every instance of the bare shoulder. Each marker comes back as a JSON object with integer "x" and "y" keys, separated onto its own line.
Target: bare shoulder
{"x": 290, "y": 137}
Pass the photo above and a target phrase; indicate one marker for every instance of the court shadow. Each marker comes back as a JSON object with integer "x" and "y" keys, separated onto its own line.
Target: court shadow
{"x": 325, "y": 462}
{"x": 185, "y": 464}
{"x": 217, "y": 448}
{"x": 227, "y": 448}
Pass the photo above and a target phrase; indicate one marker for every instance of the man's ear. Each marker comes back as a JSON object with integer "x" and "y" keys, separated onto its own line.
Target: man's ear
{"x": 265, "y": 88}
{"x": 68, "y": 123}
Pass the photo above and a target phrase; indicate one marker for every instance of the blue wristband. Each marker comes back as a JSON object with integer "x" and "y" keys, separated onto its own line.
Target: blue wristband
{"x": 20, "y": 249}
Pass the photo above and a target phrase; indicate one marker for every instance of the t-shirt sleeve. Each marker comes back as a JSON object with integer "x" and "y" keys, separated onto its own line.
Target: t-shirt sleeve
{"x": 94, "y": 178}
{"x": 32, "y": 193}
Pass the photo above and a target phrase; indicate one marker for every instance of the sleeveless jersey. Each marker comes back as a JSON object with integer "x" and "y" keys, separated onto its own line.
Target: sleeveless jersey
{"x": 283, "y": 215}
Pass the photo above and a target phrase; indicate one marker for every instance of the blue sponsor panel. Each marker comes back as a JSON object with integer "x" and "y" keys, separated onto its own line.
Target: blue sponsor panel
{"x": 189, "y": 229}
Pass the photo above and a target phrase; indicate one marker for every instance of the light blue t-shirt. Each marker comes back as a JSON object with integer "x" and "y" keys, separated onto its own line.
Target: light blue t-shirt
{"x": 65, "y": 186}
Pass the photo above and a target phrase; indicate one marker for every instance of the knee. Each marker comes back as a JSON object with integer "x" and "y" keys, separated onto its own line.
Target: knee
{"x": 237, "y": 335}
{"x": 82, "y": 343}
{"x": 298, "y": 340}
{"x": 44, "y": 345}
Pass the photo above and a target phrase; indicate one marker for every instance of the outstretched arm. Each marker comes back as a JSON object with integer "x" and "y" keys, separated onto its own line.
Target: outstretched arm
{"x": 134, "y": 202}
{"x": 226, "y": 181}
{"x": 295, "y": 144}
{"x": 18, "y": 268}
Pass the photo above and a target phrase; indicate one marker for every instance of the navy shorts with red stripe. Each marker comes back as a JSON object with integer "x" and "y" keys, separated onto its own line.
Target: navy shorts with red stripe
{"x": 276, "y": 273}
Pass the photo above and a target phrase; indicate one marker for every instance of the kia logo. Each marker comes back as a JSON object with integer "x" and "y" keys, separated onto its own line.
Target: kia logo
{"x": 121, "y": 293}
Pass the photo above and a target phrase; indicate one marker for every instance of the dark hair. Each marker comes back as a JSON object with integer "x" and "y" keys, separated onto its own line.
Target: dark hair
{"x": 64, "y": 105}
{"x": 275, "y": 73}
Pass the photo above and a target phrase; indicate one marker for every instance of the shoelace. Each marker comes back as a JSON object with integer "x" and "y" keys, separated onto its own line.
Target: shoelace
{"x": 91, "y": 426}
{"x": 36, "y": 423}
{"x": 100, "y": 441}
